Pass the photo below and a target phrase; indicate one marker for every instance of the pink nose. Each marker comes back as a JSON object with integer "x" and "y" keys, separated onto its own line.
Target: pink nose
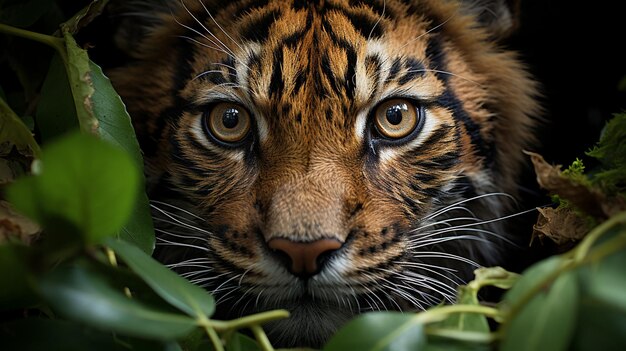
{"x": 304, "y": 255}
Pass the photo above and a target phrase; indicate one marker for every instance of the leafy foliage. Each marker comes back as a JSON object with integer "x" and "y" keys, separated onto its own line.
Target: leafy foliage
{"x": 611, "y": 152}
{"x": 88, "y": 282}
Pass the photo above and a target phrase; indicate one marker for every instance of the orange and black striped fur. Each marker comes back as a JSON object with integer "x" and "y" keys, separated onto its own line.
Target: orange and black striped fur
{"x": 329, "y": 157}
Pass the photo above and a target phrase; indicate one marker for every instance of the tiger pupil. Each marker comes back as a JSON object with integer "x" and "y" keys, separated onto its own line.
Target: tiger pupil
{"x": 230, "y": 118}
{"x": 394, "y": 114}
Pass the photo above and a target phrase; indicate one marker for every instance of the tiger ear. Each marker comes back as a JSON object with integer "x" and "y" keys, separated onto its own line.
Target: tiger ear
{"x": 500, "y": 17}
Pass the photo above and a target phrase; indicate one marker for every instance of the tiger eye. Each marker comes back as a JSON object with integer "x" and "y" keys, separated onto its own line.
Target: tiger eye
{"x": 396, "y": 118}
{"x": 228, "y": 122}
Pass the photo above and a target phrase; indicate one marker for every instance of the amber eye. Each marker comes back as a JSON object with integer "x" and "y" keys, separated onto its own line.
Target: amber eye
{"x": 396, "y": 118}
{"x": 228, "y": 122}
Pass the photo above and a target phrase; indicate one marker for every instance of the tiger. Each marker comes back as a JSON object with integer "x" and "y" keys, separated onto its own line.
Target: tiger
{"x": 327, "y": 157}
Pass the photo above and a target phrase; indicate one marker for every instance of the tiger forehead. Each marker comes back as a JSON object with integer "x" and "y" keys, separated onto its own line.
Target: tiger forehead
{"x": 313, "y": 62}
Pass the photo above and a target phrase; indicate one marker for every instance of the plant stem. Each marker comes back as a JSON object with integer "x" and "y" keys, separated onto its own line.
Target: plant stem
{"x": 439, "y": 313}
{"x": 57, "y": 43}
{"x": 261, "y": 338}
{"x": 248, "y": 321}
{"x": 583, "y": 249}
{"x": 215, "y": 339}
{"x": 459, "y": 335}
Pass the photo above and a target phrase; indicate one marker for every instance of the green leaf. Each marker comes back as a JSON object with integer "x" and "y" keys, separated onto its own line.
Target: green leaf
{"x": 240, "y": 342}
{"x": 605, "y": 280}
{"x": 529, "y": 279}
{"x": 114, "y": 123}
{"x": 547, "y": 321}
{"x": 601, "y": 326}
{"x": 440, "y": 344}
{"x": 79, "y": 75}
{"x": 114, "y": 126}
{"x": 466, "y": 321}
{"x": 174, "y": 289}
{"x": 23, "y": 13}
{"x": 611, "y": 152}
{"x": 380, "y": 331}
{"x": 56, "y": 114}
{"x": 100, "y": 111}
{"x": 85, "y": 182}
{"x": 14, "y": 132}
{"x": 494, "y": 276}
{"x": 80, "y": 294}
{"x": 602, "y": 316}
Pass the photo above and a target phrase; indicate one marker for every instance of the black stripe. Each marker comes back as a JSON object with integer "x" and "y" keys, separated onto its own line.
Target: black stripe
{"x": 414, "y": 69}
{"x": 395, "y": 68}
{"x": 365, "y": 24}
{"x": 300, "y": 80}
{"x": 424, "y": 177}
{"x": 377, "y": 6}
{"x": 285, "y": 110}
{"x": 436, "y": 56}
{"x": 293, "y": 39}
{"x": 351, "y": 54}
{"x": 433, "y": 140}
{"x": 300, "y": 4}
{"x": 276, "y": 82}
{"x": 216, "y": 78}
{"x": 442, "y": 162}
{"x": 258, "y": 30}
{"x": 232, "y": 73}
{"x": 248, "y": 6}
{"x": 330, "y": 75}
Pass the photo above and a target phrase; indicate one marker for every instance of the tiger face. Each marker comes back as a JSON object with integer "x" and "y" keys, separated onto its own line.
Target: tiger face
{"x": 327, "y": 157}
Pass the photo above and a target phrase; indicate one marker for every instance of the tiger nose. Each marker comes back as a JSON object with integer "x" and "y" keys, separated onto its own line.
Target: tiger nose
{"x": 305, "y": 257}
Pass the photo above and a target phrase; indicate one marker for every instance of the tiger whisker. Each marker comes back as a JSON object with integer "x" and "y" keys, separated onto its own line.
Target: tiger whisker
{"x": 177, "y": 221}
{"x": 493, "y": 220}
{"x": 428, "y": 31}
{"x": 209, "y": 72}
{"x": 378, "y": 21}
{"x": 444, "y": 222}
{"x": 195, "y": 273}
{"x": 218, "y": 43}
{"x": 474, "y": 198}
{"x": 163, "y": 242}
{"x": 178, "y": 235}
{"x": 222, "y": 29}
{"x": 444, "y": 255}
{"x": 180, "y": 209}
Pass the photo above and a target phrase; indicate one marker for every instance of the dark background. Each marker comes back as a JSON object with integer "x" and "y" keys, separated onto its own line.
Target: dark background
{"x": 574, "y": 49}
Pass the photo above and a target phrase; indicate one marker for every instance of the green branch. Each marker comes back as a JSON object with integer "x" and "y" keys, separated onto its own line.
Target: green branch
{"x": 439, "y": 313}
{"x": 580, "y": 256}
{"x": 57, "y": 43}
{"x": 261, "y": 338}
{"x": 248, "y": 321}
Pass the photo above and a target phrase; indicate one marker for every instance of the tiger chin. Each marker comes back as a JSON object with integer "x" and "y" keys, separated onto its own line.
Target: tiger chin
{"x": 327, "y": 157}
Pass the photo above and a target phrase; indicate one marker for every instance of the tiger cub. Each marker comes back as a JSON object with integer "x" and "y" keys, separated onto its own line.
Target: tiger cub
{"x": 327, "y": 157}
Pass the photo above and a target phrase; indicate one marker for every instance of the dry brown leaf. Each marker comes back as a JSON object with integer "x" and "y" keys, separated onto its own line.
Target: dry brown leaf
{"x": 589, "y": 200}
{"x": 561, "y": 225}
{"x": 15, "y": 226}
